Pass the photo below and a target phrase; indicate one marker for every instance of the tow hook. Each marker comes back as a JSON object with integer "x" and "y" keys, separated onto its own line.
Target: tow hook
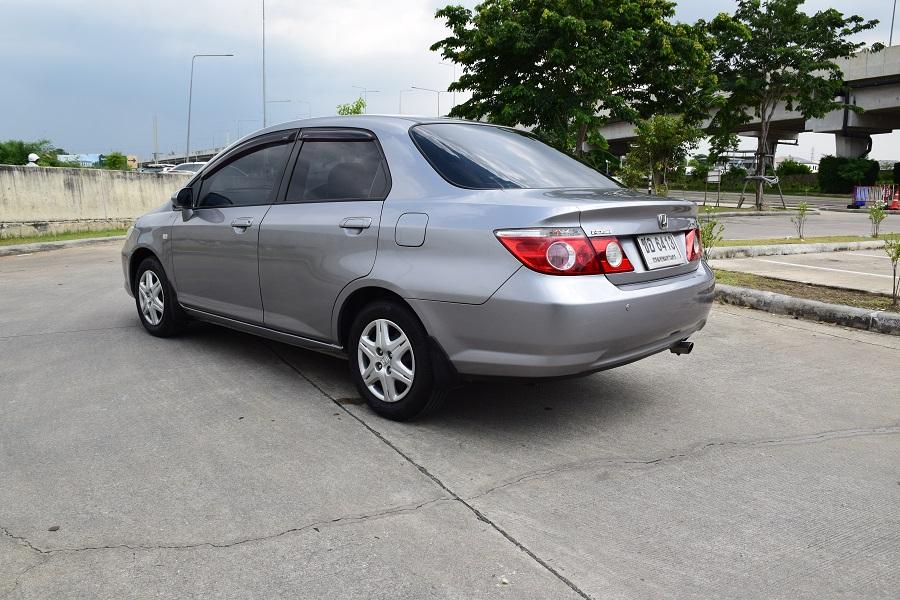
{"x": 682, "y": 347}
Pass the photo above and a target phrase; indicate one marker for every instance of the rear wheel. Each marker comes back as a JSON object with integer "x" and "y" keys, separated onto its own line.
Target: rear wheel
{"x": 390, "y": 362}
{"x": 155, "y": 300}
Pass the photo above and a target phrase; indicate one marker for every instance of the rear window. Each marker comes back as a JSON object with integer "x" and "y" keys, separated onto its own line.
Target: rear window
{"x": 486, "y": 157}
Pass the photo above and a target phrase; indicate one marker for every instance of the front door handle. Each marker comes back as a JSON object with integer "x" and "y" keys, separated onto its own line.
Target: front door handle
{"x": 242, "y": 223}
{"x": 356, "y": 223}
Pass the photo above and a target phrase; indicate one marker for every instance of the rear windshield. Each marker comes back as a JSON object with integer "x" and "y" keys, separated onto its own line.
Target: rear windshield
{"x": 486, "y": 157}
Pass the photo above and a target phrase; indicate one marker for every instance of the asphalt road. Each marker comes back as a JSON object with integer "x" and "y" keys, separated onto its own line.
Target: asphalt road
{"x": 866, "y": 270}
{"x": 822, "y": 224}
{"x": 764, "y": 465}
{"x": 732, "y": 198}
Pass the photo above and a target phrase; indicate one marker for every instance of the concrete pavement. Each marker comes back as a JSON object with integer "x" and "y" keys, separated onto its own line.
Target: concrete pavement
{"x": 866, "y": 270}
{"x": 217, "y": 464}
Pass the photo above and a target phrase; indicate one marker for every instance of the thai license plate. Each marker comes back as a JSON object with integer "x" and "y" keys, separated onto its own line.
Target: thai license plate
{"x": 660, "y": 250}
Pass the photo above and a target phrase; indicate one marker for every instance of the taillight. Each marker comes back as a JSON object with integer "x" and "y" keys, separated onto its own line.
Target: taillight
{"x": 611, "y": 255}
{"x": 564, "y": 251}
{"x": 693, "y": 245}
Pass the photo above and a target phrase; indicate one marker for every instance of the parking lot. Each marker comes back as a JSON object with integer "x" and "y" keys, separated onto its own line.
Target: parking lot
{"x": 763, "y": 465}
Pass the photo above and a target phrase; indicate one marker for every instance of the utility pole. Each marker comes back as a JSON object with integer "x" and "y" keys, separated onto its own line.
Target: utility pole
{"x": 265, "y": 106}
{"x": 365, "y": 95}
{"x": 155, "y": 138}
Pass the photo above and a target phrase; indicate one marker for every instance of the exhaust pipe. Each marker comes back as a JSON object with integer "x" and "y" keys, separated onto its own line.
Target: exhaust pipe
{"x": 682, "y": 347}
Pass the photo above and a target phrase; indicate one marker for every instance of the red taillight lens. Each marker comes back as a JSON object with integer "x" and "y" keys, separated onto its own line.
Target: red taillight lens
{"x": 611, "y": 255}
{"x": 564, "y": 251}
{"x": 692, "y": 244}
{"x": 550, "y": 250}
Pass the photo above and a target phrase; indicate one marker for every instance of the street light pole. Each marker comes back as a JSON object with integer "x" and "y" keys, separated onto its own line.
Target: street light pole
{"x": 446, "y": 64}
{"x": 893, "y": 15}
{"x": 187, "y": 146}
{"x": 265, "y": 113}
{"x": 400, "y": 105}
{"x": 436, "y": 92}
{"x": 365, "y": 93}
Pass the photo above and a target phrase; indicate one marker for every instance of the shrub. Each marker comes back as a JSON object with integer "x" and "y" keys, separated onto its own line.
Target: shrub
{"x": 897, "y": 172}
{"x": 792, "y": 167}
{"x": 838, "y": 175}
{"x": 799, "y": 220}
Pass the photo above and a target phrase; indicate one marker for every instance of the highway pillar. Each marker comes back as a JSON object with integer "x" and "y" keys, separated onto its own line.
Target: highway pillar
{"x": 852, "y": 147}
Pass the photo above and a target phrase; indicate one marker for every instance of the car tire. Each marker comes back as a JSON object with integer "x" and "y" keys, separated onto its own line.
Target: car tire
{"x": 152, "y": 289}
{"x": 387, "y": 347}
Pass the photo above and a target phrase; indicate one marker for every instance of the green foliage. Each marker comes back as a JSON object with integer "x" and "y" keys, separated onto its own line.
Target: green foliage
{"x": 799, "y": 218}
{"x": 710, "y": 232}
{"x": 663, "y": 142}
{"x": 15, "y": 152}
{"x": 838, "y": 175}
{"x": 877, "y": 214}
{"x": 771, "y": 53}
{"x": 897, "y": 172}
{"x": 792, "y": 167}
{"x": 114, "y": 161}
{"x": 557, "y": 65}
{"x": 701, "y": 165}
{"x": 357, "y": 107}
{"x": 892, "y": 249}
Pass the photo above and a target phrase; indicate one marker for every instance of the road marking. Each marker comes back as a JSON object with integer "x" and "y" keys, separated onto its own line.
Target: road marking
{"x": 787, "y": 264}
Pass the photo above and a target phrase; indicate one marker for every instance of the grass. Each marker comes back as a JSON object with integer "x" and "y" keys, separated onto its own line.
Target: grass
{"x": 793, "y": 240}
{"x": 59, "y": 237}
{"x": 796, "y": 289}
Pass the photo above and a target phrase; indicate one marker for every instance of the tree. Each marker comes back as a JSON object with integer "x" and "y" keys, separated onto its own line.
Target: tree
{"x": 115, "y": 161}
{"x": 357, "y": 107}
{"x": 792, "y": 167}
{"x": 662, "y": 145}
{"x": 892, "y": 249}
{"x": 563, "y": 67}
{"x": 15, "y": 152}
{"x": 771, "y": 54}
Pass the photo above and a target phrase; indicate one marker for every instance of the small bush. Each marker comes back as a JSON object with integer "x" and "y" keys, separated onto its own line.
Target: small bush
{"x": 792, "y": 167}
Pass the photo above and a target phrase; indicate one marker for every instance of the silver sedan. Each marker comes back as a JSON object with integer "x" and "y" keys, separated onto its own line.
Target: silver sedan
{"x": 426, "y": 251}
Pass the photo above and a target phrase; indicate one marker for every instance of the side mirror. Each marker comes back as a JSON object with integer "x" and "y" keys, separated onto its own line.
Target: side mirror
{"x": 183, "y": 198}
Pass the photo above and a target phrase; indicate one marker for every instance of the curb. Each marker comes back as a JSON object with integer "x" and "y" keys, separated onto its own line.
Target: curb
{"x": 756, "y": 213}
{"x": 859, "y": 211}
{"x": 780, "y": 249}
{"x": 879, "y": 321}
{"x": 44, "y": 246}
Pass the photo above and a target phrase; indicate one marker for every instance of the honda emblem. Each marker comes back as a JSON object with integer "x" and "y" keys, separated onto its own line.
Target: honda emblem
{"x": 663, "y": 220}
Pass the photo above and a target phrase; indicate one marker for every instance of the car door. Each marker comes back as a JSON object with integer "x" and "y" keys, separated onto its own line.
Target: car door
{"x": 215, "y": 244}
{"x": 324, "y": 233}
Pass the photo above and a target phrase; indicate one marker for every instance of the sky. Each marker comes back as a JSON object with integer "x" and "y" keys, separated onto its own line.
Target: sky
{"x": 91, "y": 75}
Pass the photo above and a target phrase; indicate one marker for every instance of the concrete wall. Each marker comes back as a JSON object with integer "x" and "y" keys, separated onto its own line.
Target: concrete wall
{"x": 36, "y": 200}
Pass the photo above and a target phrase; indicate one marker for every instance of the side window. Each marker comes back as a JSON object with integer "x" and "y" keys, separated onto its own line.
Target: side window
{"x": 248, "y": 180}
{"x": 338, "y": 170}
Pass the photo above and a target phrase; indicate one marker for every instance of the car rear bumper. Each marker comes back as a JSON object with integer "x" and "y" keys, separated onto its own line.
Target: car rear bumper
{"x": 549, "y": 326}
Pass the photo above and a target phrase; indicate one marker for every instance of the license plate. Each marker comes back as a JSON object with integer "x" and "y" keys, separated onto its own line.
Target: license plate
{"x": 660, "y": 250}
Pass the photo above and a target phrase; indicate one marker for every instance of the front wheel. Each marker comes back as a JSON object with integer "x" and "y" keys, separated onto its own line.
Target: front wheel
{"x": 155, "y": 300}
{"x": 390, "y": 362}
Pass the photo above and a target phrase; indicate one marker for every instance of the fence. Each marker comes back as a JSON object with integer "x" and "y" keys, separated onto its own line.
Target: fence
{"x": 887, "y": 194}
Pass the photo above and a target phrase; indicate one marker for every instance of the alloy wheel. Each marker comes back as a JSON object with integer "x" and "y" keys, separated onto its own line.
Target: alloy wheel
{"x": 386, "y": 360}
{"x": 150, "y": 295}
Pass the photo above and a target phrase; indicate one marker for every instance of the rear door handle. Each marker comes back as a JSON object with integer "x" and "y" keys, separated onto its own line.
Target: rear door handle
{"x": 242, "y": 223}
{"x": 356, "y": 223}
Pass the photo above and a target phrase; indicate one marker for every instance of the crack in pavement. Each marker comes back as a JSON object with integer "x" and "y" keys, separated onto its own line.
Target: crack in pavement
{"x": 20, "y": 577}
{"x": 478, "y": 514}
{"x": 694, "y": 450}
{"x": 350, "y": 519}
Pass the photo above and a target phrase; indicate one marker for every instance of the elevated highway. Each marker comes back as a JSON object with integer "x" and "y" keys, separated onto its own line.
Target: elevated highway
{"x": 873, "y": 84}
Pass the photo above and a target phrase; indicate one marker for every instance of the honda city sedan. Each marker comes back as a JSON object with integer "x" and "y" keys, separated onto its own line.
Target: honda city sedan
{"x": 426, "y": 252}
